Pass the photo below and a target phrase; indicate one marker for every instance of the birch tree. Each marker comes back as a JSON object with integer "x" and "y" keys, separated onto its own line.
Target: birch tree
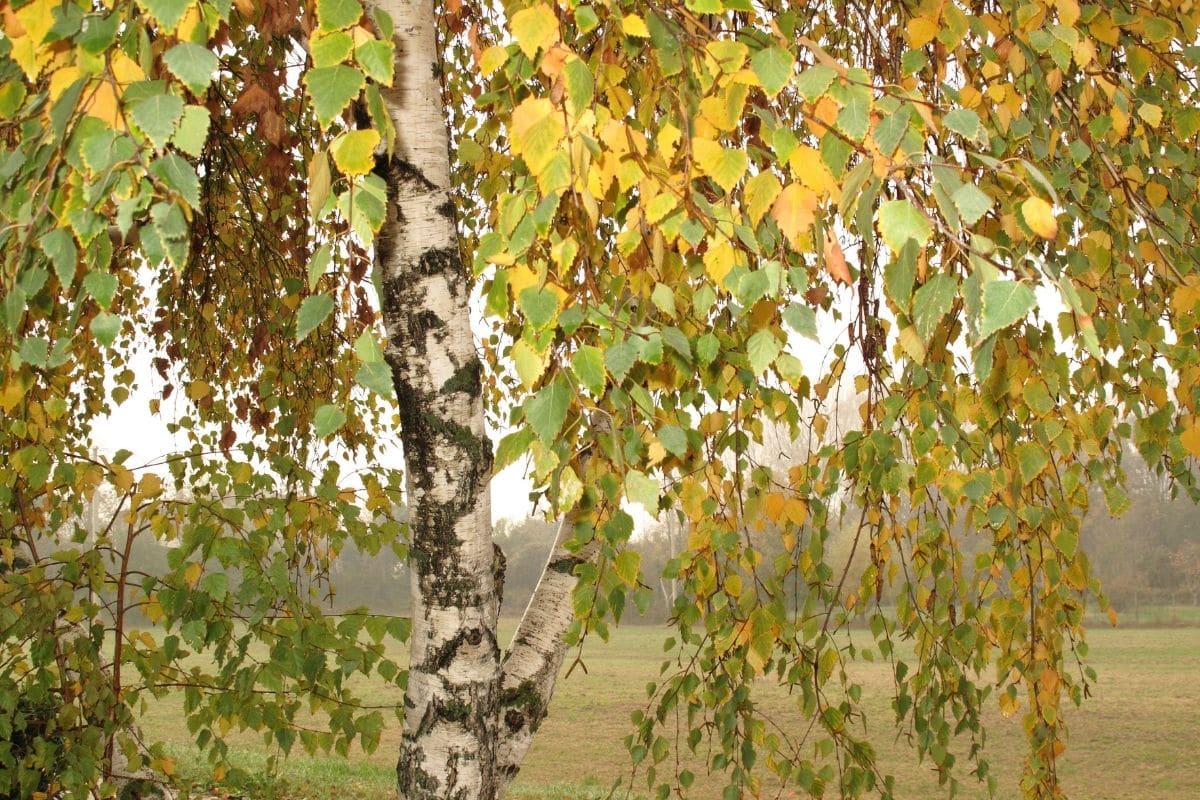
{"x": 279, "y": 217}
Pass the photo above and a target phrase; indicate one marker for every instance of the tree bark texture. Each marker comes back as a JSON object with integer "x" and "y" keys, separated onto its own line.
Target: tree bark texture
{"x": 468, "y": 718}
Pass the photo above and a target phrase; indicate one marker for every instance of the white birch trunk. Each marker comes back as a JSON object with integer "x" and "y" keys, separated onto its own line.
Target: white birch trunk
{"x": 468, "y": 722}
{"x": 449, "y": 741}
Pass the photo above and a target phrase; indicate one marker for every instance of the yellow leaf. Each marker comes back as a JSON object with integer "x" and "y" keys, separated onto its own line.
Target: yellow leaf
{"x": 26, "y": 29}
{"x": 536, "y": 131}
{"x": 520, "y": 278}
{"x": 633, "y": 25}
{"x": 197, "y": 390}
{"x": 1190, "y": 439}
{"x": 794, "y": 211}
{"x": 101, "y": 102}
{"x": 921, "y": 31}
{"x": 150, "y": 484}
{"x": 1186, "y": 296}
{"x": 1068, "y": 11}
{"x": 12, "y": 394}
{"x": 1039, "y": 215}
{"x": 62, "y": 79}
{"x": 759, "y": 193}
{"x": 718, "y": 260}
{"x": 796, "y": 510}
{"x": 192, "y": 27}
{"x": 534, "y": 27}
{"x": 806, "y": 164}
{"x": 1152, "y": 114}
{"x": 492, "y": 59}
{"x": 191, "y": 575}
{"x": 724, "y": 165}
{"x": 354, "y": 151}
{"x": 125, "y": 69}
{"x": 122, "y": 478}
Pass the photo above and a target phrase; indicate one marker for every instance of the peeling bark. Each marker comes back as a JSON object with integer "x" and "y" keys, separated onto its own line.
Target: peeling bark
{"x": 469, "y": 720}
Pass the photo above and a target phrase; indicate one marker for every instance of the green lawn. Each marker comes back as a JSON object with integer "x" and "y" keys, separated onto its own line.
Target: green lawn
{"x": 1136, "y": 737}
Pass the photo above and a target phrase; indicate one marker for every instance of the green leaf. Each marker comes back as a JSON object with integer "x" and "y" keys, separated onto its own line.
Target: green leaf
{"x": 336, "y": 14}
{"x": 539, "y": 305}
{"x": 105, "y": 327}
{"x": 330, "y": 49}
{"x": 192, "y": 64}
{"x": 802, "y": 319}
{"x": 1032, "y": 459}
{"x": 588, "y": 365}
{"x": 312, "y": 313}
{"x": 707, "y": 347}
{"x": 674, "y": 439}
{"x": 317, "y": 265}
{"x": 59, "y": 246}
{"x": 619, "y": 358}
{"x": 901, "y": 222}
{"x": 377, "y": 376}
{"x": 579, "y": 84}
{"x": 965, "y": 123}
{"x": 644, "y": 489}
{"x": 367, "y": 348}
{"x": 815, "y": 81}
{"x": 1004, "y": 303}
{"x": 664, "y": 299}
{"x": 773, "y": 66}
{"x": 377, "y": 60}
{"x": 332, "y": 89}
{"x": 627, "y": 565}
{"x": 931, "y": 302}
{"x": 156, "y": 116}
{"x": 971, "y": 203}
{"x": 512, "y": 447}
{"x": 899, "y": 276}
{"x": 179, "y": 175}
{"x": 327, "y": 419}
{"x": 855, "y": 117}
{"x": 546, "y": 411}
{"x": 12, "y": 95}
{"x": 167, "y": 13}
{"x": 192, "y": 131}
{"x": 102, "y": 286}
{"x": 34, "y": 350}
{"x": 762, "y": 349}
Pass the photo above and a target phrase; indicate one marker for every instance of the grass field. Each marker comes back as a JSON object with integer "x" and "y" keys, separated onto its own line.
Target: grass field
{"x": 1138, "y": 737}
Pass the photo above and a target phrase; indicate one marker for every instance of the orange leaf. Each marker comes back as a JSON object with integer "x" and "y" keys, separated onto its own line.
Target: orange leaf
{"x": 794, "y": 211}
{"x": 835, "y": 260}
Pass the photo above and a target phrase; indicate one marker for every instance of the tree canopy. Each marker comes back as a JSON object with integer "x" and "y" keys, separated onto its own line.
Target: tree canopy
{"x": 693, "y": 230}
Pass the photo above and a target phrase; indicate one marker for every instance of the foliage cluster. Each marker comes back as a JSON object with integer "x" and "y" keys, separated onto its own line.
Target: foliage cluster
{"x": 990, "y": 206}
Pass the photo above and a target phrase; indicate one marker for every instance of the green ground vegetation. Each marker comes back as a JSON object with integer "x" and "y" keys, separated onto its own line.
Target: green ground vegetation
{"x": 1135, "y": 737}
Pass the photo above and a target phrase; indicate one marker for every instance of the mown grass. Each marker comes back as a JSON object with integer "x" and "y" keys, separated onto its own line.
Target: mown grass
{"x": 1136, "y": 738}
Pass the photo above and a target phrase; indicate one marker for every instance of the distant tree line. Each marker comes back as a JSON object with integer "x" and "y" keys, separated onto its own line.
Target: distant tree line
{"x": 1149, "y": 556}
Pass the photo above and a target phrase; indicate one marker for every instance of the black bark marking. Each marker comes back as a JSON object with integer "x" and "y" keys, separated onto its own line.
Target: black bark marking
{"x": 467, "y": 379}
{"x": 524, "y": 706}
{"x": 440, "y": 261}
